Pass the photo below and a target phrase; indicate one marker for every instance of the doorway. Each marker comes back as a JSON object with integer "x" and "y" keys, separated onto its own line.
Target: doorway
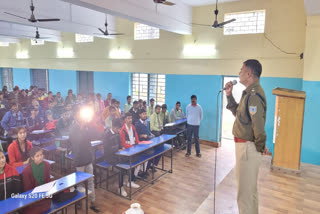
{"x": 227, "y": 116}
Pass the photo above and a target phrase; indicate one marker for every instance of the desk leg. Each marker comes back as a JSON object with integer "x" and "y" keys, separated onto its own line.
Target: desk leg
{"x": 153, "y": 170}
{"x": 75, "y": 208}
{"x": 130, "y": 171}
{"x": 162, "y": 161}
{"x": 171, "y": 161}
{"x": 87, "y": 207}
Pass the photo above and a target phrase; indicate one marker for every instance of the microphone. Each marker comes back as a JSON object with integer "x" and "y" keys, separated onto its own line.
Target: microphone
{"x": 234, "y": 82}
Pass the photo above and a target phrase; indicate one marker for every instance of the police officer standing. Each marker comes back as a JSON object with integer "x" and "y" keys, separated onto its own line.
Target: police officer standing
{"x": 249, "y": 134}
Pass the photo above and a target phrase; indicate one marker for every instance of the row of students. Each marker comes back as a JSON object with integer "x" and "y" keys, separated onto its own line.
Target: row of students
{"x": 36, "y": 173}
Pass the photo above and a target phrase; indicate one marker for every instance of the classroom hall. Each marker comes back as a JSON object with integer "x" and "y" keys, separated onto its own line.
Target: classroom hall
{"x": 166, "y": 51}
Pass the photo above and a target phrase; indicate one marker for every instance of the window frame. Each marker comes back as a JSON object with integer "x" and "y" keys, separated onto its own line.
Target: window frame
{"x": 245, "y": 32}
{"x": 156, "y": 96}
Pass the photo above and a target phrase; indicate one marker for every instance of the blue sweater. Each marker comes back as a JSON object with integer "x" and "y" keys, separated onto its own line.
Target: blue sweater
{"x": 11, "y": 120}
{"x": 142, "y": 129}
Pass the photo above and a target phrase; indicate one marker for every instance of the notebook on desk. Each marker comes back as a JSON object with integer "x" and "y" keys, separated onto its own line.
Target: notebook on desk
{"x": 169, "y": 124}
{"x": 145, "y": 142}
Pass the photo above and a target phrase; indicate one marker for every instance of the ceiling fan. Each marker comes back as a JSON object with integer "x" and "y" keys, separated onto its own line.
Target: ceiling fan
{"x": 164, "y": 2}
{"x": 32, "y": 17}
{"x": 106, "y": 32}
{"x": 35, "y": 38}
{"x": 216, "y": 24}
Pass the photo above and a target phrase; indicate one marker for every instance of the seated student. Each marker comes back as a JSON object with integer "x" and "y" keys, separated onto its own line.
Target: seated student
{"x": 128, "y": 105}
{"x": 140, "y": 106}
{"x": 156, "y": 125}
{"x": 144, "y": 133}
{"x": 106, "y": 112}
{"x": 134, "y": 111}
{"x": 34, "y": 121}
{"x": 51, "y": 123}
{"x": 128, "y": 138}
{"x": 59, "y": 100}
{"x": 151, "y": 108}
{"x": 142, "y": 127}
{"x": 12, "y": 118}
{"x": 111, "y": 143}
{"x": 54, "y": 110}
{"x": 63, "y": 125}
{"x": 81, "y": 135}
{"x": 117, "y": 105}
{"x": 71, "y": 98}
{"x": 3, "y": 102}
{"x": 176, "y": 113}
{"x": 144, "y": 105}
{"x": 10, "y": 182}
{"x": 107, "y": 102}
{"x": 23, "y": 99}
{"x": 18, "y": 150}
{"x": 99, "y": 104}
{"x": 47, "y": 100}
{"x": 113, "y": 115}
{"x": 36, "y": 173}
{"x": 164, "y": 115}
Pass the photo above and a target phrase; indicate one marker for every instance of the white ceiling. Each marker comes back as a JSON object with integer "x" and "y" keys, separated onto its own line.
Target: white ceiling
{"x": 312, "y": 7}
{"x": 85, "y": 16}
{"x": 204, "y": 2}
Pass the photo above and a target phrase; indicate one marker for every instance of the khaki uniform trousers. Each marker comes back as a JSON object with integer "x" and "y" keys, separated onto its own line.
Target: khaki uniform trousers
{"x": 247, "y": 169}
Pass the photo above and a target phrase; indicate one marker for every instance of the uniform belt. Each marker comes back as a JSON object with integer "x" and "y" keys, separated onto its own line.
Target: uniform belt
{"x": 239, "y": 140}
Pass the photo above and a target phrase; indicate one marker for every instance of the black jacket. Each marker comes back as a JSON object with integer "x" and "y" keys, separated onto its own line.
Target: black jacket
{"x": 135, "y": 115}
{"x": 111, "y": 143}
{"x": 80, "y": 139}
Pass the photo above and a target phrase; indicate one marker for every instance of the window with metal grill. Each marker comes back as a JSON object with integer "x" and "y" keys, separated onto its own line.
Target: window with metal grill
{"x": 250, "y": 22}
{"x": 40, "y": 78}
{"x": 7, "y": 78}
{"x": 147, "y": 86}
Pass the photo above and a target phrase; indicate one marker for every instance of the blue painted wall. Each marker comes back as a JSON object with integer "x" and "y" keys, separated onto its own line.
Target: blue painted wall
{"x": 115, "y": 82}
{"x": 181, "y": 87}
{"x": 21, "y": 78}
{"x": 268, "y": 84}
{"x": 62, "y": 80}
{"x": 310, "y": 140}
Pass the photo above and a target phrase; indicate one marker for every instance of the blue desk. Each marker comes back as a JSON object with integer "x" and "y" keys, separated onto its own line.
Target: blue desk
{"x": 178, "y": 127}
{"x": 39, "y": 132}
{"x": 21, "y": 168}
{"x": 140, "y": 148}
{"x": 136, "y": 149}
{"x": 96, "y": 143}
{"x": 14, "y": 204}
{"x": 177, "y": 122}
{"x": 42, "y": 141}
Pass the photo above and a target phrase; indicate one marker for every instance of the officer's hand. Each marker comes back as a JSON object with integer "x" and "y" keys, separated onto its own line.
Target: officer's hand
{"x": 266, "y": 151}
{"x": 229, "y": 88}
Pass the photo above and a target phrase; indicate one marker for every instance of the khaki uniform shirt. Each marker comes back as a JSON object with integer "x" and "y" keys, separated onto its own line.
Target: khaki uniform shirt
{"x": 249, "y": 123}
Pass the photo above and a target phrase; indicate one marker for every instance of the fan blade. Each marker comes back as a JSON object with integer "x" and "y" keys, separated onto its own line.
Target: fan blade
{"x": 102, "y": 31}
{"x": 226, "y": 22}
{"x": 114, "y": 34}
{"x": 168, "y": 3}
{"x": 201, "y": 24}
{"x": 15, "y": 15}
{"x": 48, "y": 20}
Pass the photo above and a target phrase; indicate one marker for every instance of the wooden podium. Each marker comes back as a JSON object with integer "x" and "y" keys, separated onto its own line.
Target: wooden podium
{"x": 288, "y": 124}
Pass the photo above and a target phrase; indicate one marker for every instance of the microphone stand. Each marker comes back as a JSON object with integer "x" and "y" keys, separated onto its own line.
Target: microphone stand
{"x": 215, "y": 156}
